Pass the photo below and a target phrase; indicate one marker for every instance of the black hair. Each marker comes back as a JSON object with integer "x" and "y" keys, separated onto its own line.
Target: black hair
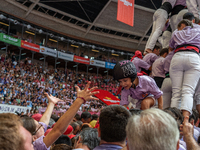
{"x": 196, "y": 115}
{"x": 185, "y": 22}
{"x": 63, "y": 139}
{"x": 163, "y": 51}
{"x": 188, "y": 16}
{"x": 86, "y": 115}
{"x": 112, "y": 123}
{"x": 89, "y": 137}
{"x": 156, "y": 47}
{"x": 84, "y": 126}
{"x": 95, "y": 117}
{"x": 78, "y": 117}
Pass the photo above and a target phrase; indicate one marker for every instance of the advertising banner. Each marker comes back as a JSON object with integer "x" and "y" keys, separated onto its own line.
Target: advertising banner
{"x": 110, "y": 65}
{"x": 97, "y": 63}
{"x": 81, "y": 60}
{"x": 65, "y": 56}
{"x": 4, "y": 108}
{"x": 10, "y": 40}
{"x": 125, "y": 11}
{"x": 30, "y": 46}
{"x": 48, "y": 51}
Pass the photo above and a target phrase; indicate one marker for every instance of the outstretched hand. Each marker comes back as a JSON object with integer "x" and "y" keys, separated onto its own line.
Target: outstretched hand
{"x": 52, "y": 99}
{"x": 87, "y": 94}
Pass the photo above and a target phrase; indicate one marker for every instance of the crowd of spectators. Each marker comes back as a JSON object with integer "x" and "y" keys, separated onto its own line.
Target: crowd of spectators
{"x": 24, "y": 84}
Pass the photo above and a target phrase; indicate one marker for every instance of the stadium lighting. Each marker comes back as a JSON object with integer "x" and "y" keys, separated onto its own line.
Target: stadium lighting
{"x": 53, "y": 40}
{"x": 75, "y": 66}
{"x": 95, "y": 50}
{"x": 30, "y": 32}
{"x": 74, "y": 46}
{"x": 115, "y": 54}
{"x": 23, "y": 54}
{"x": 90, "y": 68}
{"x": 57, "y": 63}
{"x": 4, "y": 24}
{"x": 42, "y": 58}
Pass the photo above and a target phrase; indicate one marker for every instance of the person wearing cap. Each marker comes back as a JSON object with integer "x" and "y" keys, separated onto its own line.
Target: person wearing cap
{"x": 141, "y": 88}
{"x": 185, "y": 65}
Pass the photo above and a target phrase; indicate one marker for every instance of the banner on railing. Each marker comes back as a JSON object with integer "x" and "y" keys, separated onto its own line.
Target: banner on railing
{"x": 4, "y": 108}
{"x": 30, "y": 46}
{"x": 10, "y": 40}
{"x": 110, "y": 65}
{"x": 65, "y": 56}
{"x": 48, "y": 51}
{"x": 81, "y": 60}
{"x": 97, "y": 63}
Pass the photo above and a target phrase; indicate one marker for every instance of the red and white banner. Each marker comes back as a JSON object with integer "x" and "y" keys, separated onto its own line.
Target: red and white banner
{"x": 81, "y": 60}
{"x": 125, "y": 11}
{"x": 30, "y": 46}
{"x": 107, "y": 97}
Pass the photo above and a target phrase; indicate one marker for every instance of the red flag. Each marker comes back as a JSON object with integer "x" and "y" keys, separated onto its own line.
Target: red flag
{"x": 107, "y": 97}
{"x": 125, "y": 11}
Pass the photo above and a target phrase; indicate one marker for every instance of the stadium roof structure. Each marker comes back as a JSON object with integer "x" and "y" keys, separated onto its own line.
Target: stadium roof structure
{"x": 88, "y": 20}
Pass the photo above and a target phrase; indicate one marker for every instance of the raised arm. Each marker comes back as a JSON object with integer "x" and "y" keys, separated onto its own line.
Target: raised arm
{"x": 47, "y": 114}
{"x": 62, "y": 124}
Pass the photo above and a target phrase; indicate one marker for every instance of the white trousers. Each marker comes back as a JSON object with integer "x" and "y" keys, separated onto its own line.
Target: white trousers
{"x": 165, "y": 38}
{"x": 192, "y": 7}
{"x": 184, "y": 74}
{"x": 159, "y": 19}
{"x": 175, "y": 19}
{"x": 167, "y": 92}
{"x": 197, "y": 95}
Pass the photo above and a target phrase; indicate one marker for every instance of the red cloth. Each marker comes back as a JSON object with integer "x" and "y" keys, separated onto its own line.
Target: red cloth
{"x": 37, "y": 117}
{"x": 71, "y": 136}
{"x": 137, "y": 54}
{"x": 47, "y": 131}
{"x": 69, "y": 130}
{"x": 119, "y": 90}
{"x": 107, "y": 97}
{"x": 97, "y": 125}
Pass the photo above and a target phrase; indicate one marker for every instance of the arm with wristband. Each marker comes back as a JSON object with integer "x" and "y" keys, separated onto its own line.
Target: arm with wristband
{"x": 62, "y": 124}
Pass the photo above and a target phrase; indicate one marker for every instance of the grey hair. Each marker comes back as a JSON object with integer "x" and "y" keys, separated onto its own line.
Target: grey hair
{"x": 89, "y": 137}
{"x": 153, "y": 129}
